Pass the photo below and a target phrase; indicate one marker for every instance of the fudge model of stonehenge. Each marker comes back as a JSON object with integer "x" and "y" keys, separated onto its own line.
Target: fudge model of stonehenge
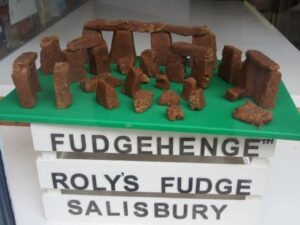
{"x": 257, "y": 77}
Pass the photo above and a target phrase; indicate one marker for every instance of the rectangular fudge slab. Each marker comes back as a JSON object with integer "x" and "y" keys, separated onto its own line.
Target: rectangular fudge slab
{"x": 192, "y": 50}
{"x": 149, "y": 63}
{"x": 86, "y": 41}
{"x": 235, "y": 93}
{"x": 186, "y": 30}
{"x": 160, "y": 43}
{"x": 76, "y": 61}
{"x": 133, "y": 81}
{"x": 101, "y": 59}
{"x": 175, "y": 68}
{"x": 137, "y": 26}
{"x": 103, "y": 24}
{"x": 202, "y": 71}
{"x": 106, "y": 95}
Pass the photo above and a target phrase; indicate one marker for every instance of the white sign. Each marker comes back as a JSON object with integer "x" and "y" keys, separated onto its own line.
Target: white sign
{"x": 128, "y": 141}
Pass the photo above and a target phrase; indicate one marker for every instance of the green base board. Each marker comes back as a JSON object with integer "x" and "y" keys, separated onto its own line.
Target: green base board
{"x": 214, "y": 119}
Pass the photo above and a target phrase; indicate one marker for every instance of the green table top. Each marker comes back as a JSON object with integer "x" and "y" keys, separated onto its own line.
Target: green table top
{"x": 214, "y": 119}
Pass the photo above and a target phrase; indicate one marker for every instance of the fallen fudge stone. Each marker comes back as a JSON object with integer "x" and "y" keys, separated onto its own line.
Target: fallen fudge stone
{"x": 202, "y": 71}
{"x": 75, "y": 60}
{"x": 175, "y": 112}
{"x": 103, "y": 24}
{"x": 61, "y": 85}
{"x": 207, "y": 40}
{"x": 253, "y": 114}
{"x": 261, "y": 78}
{"x": 86, "y": 41}
{"x": 106, "y": 95}
{"x": 122, "y": 45}
{"x": 160, "y": 43}
{"x": 27, "y": 59}
{"x": 189, "y": 85}
{"x": 51, "y": 53}
{"x": 196, "y": 99}
{"x": 162, "y": 82}
{"x": 192, "y": 50}
{"x": 230, "y": 66}
{"x": 235, "y": 93}
{"x": 125, "y": 63}
{"x": 168, "y": 97}
{"x": 142, "y": 100}
{"x": 99, "y": 59}
{"x": 137, "y": 26}
{"x": 22, "y": 79}
{"x": 149, "y": 64}
{"x": 186, "y": 30}
{"x": 112, "y": 81}
{"x": 90, "y": 85}
{"x": 175, "y": 68}
{"x": 133, "y": 81}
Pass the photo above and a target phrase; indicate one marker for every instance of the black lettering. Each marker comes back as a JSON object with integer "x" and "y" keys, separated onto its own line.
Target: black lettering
{"x": 226, "y": 189}
{"x": 127, "y": 148}
{"x": 251, "y": 144}
{"x": 241, "y": 185}
{"x": 141, "y": 144}
{"x": 200, "y": 210}
{"x": 59, "y": 178}
{"x": 93, "y": 208}
{"x": 140, "y": 209}
{"x": 168, "y": 146}
{"x": 109, "y": 212}
{"x": 79, "y": 176}
{"x": 74, "y": 206}
{"x": 164, "y": 183}
{"x": 125, "y": 207}
{"x": 161, "y": 210}
{"x": 95, "y": 138}
{"x": 234, "y": 149}
{"x": 199, "y": 184}
{"x": 131, "y": 183}
{"x": 211, "y": 148}
{"x": 54, "y": 141}
{"x": 183, "y": 146}
{"x": 112, "y": 181}
{"x": 218, "y": 211}
{"x": 72, "y": 143}
{"x": 95, "y": 185}
{"x": 189, "y": 187}
{"x": 184, "y": 213}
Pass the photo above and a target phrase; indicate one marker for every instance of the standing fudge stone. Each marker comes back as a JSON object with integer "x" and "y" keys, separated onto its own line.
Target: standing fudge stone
{"x": 162, "y": 82}
{"x": 189, "y": 85}
{"x": 61, "y": 85}
{"x": 122, "y": 45}
{"x": 168, "y": 97}
{"x": 99, "y": 60}
{"x": 160, "y": 43}
{"x": 202, "y": 71}
{"x": 25, "y": 79}
{"x": 51, "y": 53}
{"x": 133, "y": 81}
{"x": 196, "y": 99}
{"x": 175, "y": 68}
{"x": 106, "y": 95}
{"x": 86, "y": 31}
{"x": 125, "y": 63}
{"x": 75, "y": 60}
{"x": 230, "y": 66}
{"x": 142, "y": 100}
{"x": 149, "y": 64}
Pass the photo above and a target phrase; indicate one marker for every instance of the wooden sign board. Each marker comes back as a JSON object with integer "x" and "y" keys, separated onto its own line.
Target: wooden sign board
{"x": 127, "y": 141}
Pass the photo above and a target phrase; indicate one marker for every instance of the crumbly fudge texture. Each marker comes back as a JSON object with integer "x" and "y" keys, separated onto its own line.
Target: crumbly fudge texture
{"x": 168, "y": 97}
{"x": 142, "y": 100}
{"x": 175, "y": 112}
{"x": 149, "y": 63}
{"x": 189, "y": 85}
{"x": 125, "y": 63}
{"x": 162, "y": 82}
{"x": 196, "y": 99}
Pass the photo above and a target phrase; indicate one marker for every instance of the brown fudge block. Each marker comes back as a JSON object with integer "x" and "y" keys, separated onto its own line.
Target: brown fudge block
{"x": 260, "y": 78}
{"x": 186, "y": 30}
{"x": 175, "y": 112}
{"x": 189, "y": 85}
{"x": 100, "y": 61}
{"x": 142, "y": 100}
{"x": 51, "y": 53}
{"x": 75, "y": 60}
{"x": 122, "y": 45}
{"x": 230, "y": 66}
{"x": 253, "y": 114}
{"x": 149, "y": 63}
{"x": 86, "y": 41}
{"x": 188, "y": 49}
{"x": 160, "y": 43}
{"x": 235, "y": 93}
{"x": 175, "y": 68}
{"x": 137, "y": 26}
{"x": 145, "y": 79}
{"x": 103, "y": 24}
{"x": 196, "y": 99}
{"x": 202, "y": 71}
{"x": 207, "y": 40}
{"x": 125, "y": 63}
{"x": 162, "y": 82}
{"x": 90, "y": 85}
{"x": 106, "y": 95}
{"x": 27, "y": 59}
{"x": 61, "y": 85}
{"x": 86, "y": 31}
{"x": 133, "y": 81}
{"x": 168, "y": 97}
{"x": 112, "y": 81}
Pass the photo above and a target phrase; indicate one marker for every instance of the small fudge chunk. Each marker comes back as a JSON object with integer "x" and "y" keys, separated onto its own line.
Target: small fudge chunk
{"x": 196, "y": 99}
{"x": 168, "y": 97}
{"x": 51, "y": 53}
{"x": 189, "y": 85}
{"x": 61, "y": 85}
{"x": 112, "y": 81}
{"x": 253, "y": 114}
{"x": 230, "y": 64}
{"x": 175, "y": 68}
{"x": 175, "y": 112}
{"x": 192, "y": 50}
{"x": 122, "y": 45}
{"x": 145, "y": 79}
{"x": 162, "y": 82}
{"x": 133, "y": 81}
{"x": 142, "y": 100}
{"x": 107, "y": 25}
{"x": 125, "y": 63}
{"x": 149, "y": 63}
{"x": 86, "y": 41}
{"x": 235, "y": 93}
{"x": 76, "y": 61}
{"x": 160, "y": 43}
{"x": 106, "y": 95}
{"x": 186, "y": 30}
{"x": 137, "y": 26}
